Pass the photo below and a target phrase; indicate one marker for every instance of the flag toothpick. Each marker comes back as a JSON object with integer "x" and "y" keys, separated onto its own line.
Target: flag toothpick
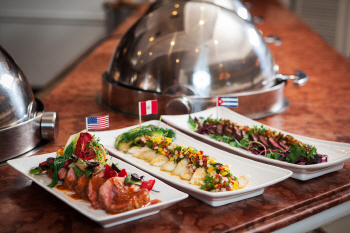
{"x": 225, "y": 102}
{"x": 148, "y": 107}
{"x": 97, "y": 123}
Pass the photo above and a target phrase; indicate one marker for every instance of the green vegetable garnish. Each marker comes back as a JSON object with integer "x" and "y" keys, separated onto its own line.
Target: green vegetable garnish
{"x": 129, "y": 180}
{"x": 78, "y": 171}
{"x": 88, "y": 172}
{"x": 58, "y": 163}
{"x": 193, "y": 124}
{"x": 36, "y": 171}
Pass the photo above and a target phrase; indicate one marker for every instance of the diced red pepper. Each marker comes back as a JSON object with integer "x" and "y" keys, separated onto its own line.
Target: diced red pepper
{"x": 148, "y": 184}
{"x": 122, "y": 173}
{"x": 201, "y": 152}
{"x": 109, "y": 172}
{"x": 66, "y": 163}
{"x": 42, "y": 164}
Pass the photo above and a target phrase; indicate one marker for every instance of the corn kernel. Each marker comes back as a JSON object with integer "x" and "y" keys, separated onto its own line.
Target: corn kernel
{"x": 235, "y": 185}
{"x": 223, "y": 173}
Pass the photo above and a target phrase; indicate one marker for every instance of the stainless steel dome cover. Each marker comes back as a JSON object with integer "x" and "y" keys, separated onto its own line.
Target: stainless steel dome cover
{"x": 17, "y": 102}
{"x": 193, "y": 48}
{"x": 24, "y": 126}
{"x": 233, "y": 5}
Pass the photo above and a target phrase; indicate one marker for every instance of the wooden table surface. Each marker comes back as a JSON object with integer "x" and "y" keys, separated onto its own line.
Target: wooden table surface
{"x": 320, "y": 109}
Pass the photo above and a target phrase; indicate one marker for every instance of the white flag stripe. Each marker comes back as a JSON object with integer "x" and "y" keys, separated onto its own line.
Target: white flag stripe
{"x": 229, "y": 105}
{"x": 149, "y": 107}
{"x": 229, "y": 98}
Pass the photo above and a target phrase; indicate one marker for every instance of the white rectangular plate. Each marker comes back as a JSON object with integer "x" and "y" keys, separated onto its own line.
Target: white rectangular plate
{"x": 259, "y": 175}
{"x": 337, "y": 152}
{"x": 168, "y": 195}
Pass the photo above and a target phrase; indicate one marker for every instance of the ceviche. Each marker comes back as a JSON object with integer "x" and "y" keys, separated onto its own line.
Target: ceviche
{"x": 155, "y": 145}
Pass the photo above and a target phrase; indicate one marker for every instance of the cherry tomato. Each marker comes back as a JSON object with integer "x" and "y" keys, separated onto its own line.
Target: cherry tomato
{"x": 148, "y": 184}
{"x": 109, "y": 172}
{"x": 122, "y": 173}
{"x": 83, "y": 152}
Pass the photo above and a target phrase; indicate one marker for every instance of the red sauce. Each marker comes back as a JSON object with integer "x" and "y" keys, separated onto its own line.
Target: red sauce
{"x": 73, "y": 196}
{"x": 60, "y": 187}
{"x": 77, "y": 197}
{"x": 155, "y": 201}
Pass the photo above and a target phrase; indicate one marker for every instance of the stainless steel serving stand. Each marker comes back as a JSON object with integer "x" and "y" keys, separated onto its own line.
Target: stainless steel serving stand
{"x": 253, "y": 104}
{"x": 28, "y": 137}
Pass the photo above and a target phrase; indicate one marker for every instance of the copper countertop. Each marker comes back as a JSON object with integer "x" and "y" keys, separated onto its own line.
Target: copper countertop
{"x": 320, "y": 109}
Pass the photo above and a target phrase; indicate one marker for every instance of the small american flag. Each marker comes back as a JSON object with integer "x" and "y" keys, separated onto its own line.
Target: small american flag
{"x": 100, "y": 122}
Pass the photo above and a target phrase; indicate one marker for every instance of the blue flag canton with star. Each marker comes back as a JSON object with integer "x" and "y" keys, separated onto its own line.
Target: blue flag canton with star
{"x": 92, "y": 120}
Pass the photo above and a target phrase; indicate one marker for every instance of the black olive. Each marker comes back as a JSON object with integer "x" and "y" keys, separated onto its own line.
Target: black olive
{"x": 74, "y": 157}
{"x": 49, "y": 160}
{"x": 92, "y": 164}
{"x": 90, "y": 169}
{"x": 115, "y": 168}
{"x": 135, "y": 177}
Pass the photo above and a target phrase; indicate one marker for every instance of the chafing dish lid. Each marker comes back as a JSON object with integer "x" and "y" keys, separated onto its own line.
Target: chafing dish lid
{"x": 17, "y": 102}
{"x": 193, "y": 48}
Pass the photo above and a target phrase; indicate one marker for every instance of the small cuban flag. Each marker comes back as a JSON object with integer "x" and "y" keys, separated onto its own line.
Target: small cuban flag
{"x": 227, "y": 102}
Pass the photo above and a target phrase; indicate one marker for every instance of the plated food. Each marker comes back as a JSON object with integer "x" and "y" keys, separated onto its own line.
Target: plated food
{"x": 155, "y": 145}
{"x": 259, "y": 140}
{"x": 337, "y": 153}
{"x": 259, "y": 175}
{"x": 82, "y": 166}
{"x": 166, "y": 194}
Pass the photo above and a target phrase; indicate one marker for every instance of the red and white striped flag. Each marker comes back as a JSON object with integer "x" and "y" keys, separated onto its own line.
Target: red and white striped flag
{"x": 100, "y": 122}
{"x": 148, "y": 107}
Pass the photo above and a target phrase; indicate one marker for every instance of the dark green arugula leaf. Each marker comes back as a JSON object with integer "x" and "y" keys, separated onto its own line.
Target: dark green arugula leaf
{"x": 58, "y": 163}
{"x": 235, "y": 144}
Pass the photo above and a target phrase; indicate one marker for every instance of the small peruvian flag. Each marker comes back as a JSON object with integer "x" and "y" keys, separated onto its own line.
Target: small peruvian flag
{"x": 148, "y": 107}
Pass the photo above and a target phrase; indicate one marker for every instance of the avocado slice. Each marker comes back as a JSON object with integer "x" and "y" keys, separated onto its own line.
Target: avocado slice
{"x": 135, "y": 129}
{"x": 156, "y": 133}
{"x": 117, "y": 140}
{"x": 123, "y": 146}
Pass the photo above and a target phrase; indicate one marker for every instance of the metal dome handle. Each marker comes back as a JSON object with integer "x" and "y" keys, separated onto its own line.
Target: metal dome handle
{"x": 300, "y": 77}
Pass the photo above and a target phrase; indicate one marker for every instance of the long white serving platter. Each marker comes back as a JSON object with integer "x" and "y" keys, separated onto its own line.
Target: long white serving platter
{"x": 167, "y": 195}
{"x": 338, "y": 153}
{"x": 259, "y": 175}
